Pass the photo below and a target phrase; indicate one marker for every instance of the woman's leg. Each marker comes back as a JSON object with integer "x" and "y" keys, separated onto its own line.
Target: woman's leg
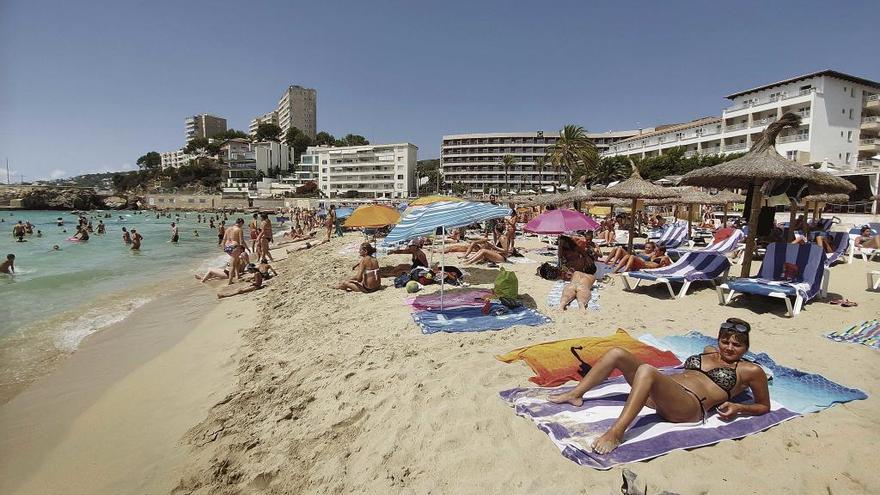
{"x": 583, "y": 287}
{"x": 568, "y": 295}
{"x": 616, "y": 358}
{"x": 672, "y": 402}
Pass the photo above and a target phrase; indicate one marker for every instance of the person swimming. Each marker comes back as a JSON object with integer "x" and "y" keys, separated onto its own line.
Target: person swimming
{"x": 8, "y": 266}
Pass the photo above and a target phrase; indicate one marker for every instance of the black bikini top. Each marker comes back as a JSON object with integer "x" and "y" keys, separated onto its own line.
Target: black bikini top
{"x": 721, "y": 376}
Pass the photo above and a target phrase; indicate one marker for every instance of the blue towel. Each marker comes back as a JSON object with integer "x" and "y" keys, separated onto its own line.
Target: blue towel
{"x": 796, "y": 390}
{"x": 473, "y": 319}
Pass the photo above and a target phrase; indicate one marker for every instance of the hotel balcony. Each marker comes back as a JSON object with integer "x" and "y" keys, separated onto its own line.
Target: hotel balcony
{"x": 870, "y": 123}
{"x": 768, "y": 100}
{"x": 872, "y": 102}
{"x": 735, "y": 127}
{"x": 868, "y": 164}
{"x": 763, "y": 122}
{"x": 792, "y": 138}
{"x": 735, "y": 147}
{"x": 871, "y": 145}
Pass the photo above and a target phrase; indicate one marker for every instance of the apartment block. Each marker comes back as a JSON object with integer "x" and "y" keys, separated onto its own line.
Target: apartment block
{"x": 840, "y": 120}
{"x": 272, "y": 156}
{"x": 475, "y": 159}
{"x": 175, "y": 159}
{"x": 374, "y": 171}
{"x": 203, "y": 126}
{"x": 297, "y": 107}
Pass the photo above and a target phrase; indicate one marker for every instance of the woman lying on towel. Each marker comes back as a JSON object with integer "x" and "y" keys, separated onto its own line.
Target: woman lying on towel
{"x": 709, "y": 380}
{"x": 366, "y": 275}
{"x": 578, "y": 266}
{"x": 656, "y": 259}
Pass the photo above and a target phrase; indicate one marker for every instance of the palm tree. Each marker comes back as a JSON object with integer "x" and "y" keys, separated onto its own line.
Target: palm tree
{"x": 540, "y": 163}
{"x": 574, "y": 152}
{"x": 611, "y": 169}
{"x": 507, "y": 161}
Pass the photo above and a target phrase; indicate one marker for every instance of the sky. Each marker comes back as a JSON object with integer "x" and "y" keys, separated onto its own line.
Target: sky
{"x": 90, "y": 86}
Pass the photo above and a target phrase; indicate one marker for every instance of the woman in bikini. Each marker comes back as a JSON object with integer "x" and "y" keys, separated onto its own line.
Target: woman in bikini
{"x": 366, "y": 276}
{"x": 619, "y": 253}
{"x": 867, "y": 239}
{"x": 578, "y": 266}
{"x": 709, "y": 380}
{"x": 656, "y": 259}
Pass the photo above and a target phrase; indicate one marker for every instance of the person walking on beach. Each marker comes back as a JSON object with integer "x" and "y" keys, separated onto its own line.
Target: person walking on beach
{"x": 8, "y": 266}
{"x": 136, "y": 240}
{"x": 330, "y": 221}
{"x": 254, "y": 231}
{"x": 265, "y": 237}
{"x": 126, "y": 237}
{"x": 175, "y": 233}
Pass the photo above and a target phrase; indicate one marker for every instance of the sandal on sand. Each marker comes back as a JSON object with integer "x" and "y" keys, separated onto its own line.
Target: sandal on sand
{"x": 848, "y": 304}
{"x": 837, "y": 301}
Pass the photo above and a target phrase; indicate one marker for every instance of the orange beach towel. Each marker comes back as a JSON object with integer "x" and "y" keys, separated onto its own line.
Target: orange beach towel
{"x": 554, "y": 363}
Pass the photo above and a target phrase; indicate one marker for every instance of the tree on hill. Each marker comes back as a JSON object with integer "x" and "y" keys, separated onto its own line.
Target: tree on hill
{"x": 267, "y": 132}
{"x": 352, "y": 140}
{"x": 230, "y": 134}
{"x": 202, "y": 147}
{"x": 149, "y": 161}
{"x": 298, "y": 141}
{"x": 324, "y": 138}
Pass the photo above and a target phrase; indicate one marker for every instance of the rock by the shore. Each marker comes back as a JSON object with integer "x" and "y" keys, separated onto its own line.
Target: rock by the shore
{"x": 49, "y": 198}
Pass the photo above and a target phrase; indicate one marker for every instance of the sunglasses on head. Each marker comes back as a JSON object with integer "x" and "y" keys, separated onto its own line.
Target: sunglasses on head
{"x": 734, "y": 327}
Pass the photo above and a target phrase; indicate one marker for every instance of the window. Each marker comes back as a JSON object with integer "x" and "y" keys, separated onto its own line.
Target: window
{"x": 843, "y": 111}
{"x": 848, "y": 138}
{"x": 847, "y": 158}
{"x": 852, "y": 92}
{"x": 850, "y": 114}
{"x": 844, "y": 90}
{"x": 400, "y": 177}
{"x": 791, "y": 155}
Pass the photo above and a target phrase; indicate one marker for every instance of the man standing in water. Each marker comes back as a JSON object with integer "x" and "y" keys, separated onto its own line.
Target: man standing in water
{"x": 126, "y": 237}
{"x": 136, "y": 240}
{"x": 221, "y": 232}
{"x": 175, "y": 233}
{"x": 18, "y": 231}
{"x": 8, "y": 266}
{"x": 265, "y": 237}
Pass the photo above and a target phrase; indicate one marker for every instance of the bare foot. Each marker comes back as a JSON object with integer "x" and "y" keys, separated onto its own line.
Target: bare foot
{"x": 574, "y": 400}
{"x": 607, "y": 442}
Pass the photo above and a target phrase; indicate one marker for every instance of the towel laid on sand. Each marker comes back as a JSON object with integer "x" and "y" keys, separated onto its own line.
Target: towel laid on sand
{"x": 799, "y": 391}
{"x": 555, "y": 295}
{"x": 473, "y": 320}
{"x": 865, "y": 333}
{"x": 573, "y": 429}
{"x": 452, "y": 299}
{"x": 554, "y": 363}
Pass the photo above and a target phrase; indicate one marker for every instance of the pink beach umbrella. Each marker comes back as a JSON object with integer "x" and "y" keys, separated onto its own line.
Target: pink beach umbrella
{"x": 560, "y": 222}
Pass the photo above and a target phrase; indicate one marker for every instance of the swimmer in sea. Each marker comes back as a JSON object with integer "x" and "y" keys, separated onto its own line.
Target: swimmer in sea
{"x": 56, "y": 247}
{"x": 126, "y": 237}
{"x": 175, "y": 233}
{"x": 136, "y": 240}
{"x": 8, "y": 266}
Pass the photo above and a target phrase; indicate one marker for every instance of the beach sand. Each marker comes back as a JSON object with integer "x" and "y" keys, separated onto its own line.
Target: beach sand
{"x": 340, "y": 393}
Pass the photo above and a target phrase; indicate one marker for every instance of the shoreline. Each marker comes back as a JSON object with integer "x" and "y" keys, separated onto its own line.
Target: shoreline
{"x": 114, "y": 410}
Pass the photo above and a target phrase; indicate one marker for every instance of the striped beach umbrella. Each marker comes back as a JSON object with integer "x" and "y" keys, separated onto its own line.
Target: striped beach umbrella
{"x": 447, "y": 215}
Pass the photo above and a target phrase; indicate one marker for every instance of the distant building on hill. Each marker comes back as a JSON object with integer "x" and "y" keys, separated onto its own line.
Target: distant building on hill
{"x": 373, "y": 171}
{"x": 474, "y": 160}
{"x": 272, "y": 157}
{"x": 203, "y": 126}
{"x": 175, "y": 159}
{"x": 296, "y": 108}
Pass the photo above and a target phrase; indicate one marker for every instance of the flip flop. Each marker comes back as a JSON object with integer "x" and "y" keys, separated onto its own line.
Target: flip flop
{"x": 837, "y": 301}
{"x": 848, "y": 304}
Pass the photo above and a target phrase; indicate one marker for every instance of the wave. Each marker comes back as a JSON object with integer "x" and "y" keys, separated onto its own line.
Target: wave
{"x": 70, "y": 334}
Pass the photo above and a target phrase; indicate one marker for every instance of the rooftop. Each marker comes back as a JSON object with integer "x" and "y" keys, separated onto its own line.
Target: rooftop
{"x": 675, "y": 127}
{"x": 826, "y": 72}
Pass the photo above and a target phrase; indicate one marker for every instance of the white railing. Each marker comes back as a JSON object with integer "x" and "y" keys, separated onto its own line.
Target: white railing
{"x": 771, "y": 99}
{"x": 863, "y": 164}
{"x": 804, "y": 115}
{"x": 735, "y": 127}
{"x": 792, "y": 138}
{"x": 711, "y": 151}
{"x": 763, "y": 122}
{"x": 872, "y": 97}
{"x": 688, "y": 154}
{"x": 868, "y": 120}
{"x": 734, "y": 147}
{"x": 869, "y": 141}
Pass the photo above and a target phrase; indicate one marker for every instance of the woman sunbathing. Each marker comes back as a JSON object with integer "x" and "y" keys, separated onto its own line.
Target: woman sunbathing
{"x": 657, "y": 259}
{"x": 867, "y": 239}
{"x": 619, "y": 253}
{"x": 709, "y": 380}
{"x": 579, "y": 267}
{"x": 826, "y": 242}
{"x": 366, "y": 277}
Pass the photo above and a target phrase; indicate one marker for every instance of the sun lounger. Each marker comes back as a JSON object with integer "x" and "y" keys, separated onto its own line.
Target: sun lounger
{"x": 690, "y": 268}
{"x": 731, "y": 246}
{"x": 865, "y": 253}
{"x": 874, "y": 279}
{"x": 841, "y": 242}
{"x": 811, "y": 279}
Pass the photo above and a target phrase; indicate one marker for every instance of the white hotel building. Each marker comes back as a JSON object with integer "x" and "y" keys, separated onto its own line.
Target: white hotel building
{"x": 374, "y": 171}
{"x": 840, "y": 120}
{"x": 474, "y": 160}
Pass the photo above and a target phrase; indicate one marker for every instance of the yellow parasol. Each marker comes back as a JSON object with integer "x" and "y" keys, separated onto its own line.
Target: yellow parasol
{"x": 427, "y": 200}
{"x": 372, "y": 216}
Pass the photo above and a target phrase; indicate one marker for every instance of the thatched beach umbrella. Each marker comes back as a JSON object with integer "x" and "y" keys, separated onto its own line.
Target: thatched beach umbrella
{"x": 820, "y": 199}
{"x": 635, "y": 188}
{"x": 759, "y": 168}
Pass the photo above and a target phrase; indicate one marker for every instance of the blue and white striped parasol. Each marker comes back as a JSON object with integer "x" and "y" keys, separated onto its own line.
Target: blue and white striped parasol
{"x": 425, "y": 220}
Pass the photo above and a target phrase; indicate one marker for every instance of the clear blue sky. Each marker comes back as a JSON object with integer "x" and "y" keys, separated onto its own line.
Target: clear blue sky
{"x": 92, "y": 85}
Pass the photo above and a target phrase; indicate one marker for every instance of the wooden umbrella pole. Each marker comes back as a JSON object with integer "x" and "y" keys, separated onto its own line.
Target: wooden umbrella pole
{"x": 724, "y": 216}
{"x": 632, "y": 223}
{"x": 807, "y": 222}
{"x": 690, "y": 214}
{"x": 793, "y": 216}
{"x": 754, "y": 212}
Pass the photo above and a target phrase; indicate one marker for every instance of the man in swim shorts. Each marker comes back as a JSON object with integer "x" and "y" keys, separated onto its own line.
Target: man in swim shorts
{"x": 175, "y": 233}
{"x": 8, "y": 266}
{"x": 136, "y": 240}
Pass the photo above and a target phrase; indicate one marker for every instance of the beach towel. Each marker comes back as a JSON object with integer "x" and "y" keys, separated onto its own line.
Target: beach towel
{"x": 474, "y": 298}
{"x": 520, "y": 260}
{"x": 473, "y": 320}
{"x": 350, "y": 248}
{"x": 865, "y": 333}
{"x": 573, "y": 429}
{"x": 797, "y": 390}
{"x": 555, "y": 295}
{"x": 554, "y": 363}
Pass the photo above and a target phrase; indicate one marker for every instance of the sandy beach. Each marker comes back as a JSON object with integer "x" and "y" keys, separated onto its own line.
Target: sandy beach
{"x": 299, "y": 388}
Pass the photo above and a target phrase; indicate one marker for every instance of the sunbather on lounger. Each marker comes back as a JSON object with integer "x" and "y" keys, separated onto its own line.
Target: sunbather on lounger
{"x": 619, "y": 253}
{"x": 826, "y": 242}
{"x": 867, "y": 239}
{"x": 709, "y": 380}
{"x": 656, "y": 259}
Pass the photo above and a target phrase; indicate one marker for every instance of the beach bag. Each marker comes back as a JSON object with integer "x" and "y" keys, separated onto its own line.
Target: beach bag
{"x": 506, "y": 285}
{"x": 548, "y": 271}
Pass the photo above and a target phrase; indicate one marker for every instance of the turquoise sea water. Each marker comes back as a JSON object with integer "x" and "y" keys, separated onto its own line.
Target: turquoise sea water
{"x": 57, "y": 298}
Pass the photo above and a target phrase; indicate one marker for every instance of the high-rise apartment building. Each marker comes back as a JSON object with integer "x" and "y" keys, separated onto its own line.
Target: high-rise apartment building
{"x": 474, "y": 160}
{"x": 296, "y": 108}
{"x": 374, "y": 170}
{"x": 840, "y": 123}
{"x": 203, "y": 126}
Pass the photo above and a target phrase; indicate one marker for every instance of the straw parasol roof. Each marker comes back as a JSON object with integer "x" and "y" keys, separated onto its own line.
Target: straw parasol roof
{"x": 826, "y": 198}
{"x": 636, "y": 188}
